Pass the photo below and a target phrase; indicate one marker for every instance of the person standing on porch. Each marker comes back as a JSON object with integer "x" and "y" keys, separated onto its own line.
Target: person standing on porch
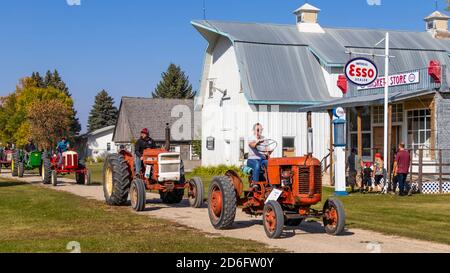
{"x": 354, "y": 165}
{"x": 401, "y": 168}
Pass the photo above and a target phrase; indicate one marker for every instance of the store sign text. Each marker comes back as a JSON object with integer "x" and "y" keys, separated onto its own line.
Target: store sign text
{"x": 394, "y": 80}
{"x": 361, "y": 71}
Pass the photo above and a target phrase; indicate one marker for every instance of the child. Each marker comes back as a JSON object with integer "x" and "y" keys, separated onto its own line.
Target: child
{"x": 367, "y": 177}
{"x": 378, "y": 170}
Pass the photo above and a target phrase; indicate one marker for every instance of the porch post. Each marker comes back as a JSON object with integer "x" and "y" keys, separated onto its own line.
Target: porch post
{"x": 330, "y": 113}
{"x": 359, "y": 125}
{"x": 389, "y": 143}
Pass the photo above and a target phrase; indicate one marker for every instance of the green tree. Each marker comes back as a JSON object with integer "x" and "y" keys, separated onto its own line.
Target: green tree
{"x": 174, "y": 85}
{"x": 103, "y": 112}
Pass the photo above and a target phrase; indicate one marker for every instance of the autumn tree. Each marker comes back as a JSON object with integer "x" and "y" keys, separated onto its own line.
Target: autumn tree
{"x": 49, "y": 120}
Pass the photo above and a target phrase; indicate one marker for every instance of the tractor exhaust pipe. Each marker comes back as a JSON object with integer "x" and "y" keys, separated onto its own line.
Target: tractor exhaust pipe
{"x": 167, "y": 143}
{"x": 310, "y": 137}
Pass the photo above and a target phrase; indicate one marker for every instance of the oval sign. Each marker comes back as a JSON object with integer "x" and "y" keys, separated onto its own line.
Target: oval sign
{"x": 339, "y": 112}
{"x": 361, "y": 71}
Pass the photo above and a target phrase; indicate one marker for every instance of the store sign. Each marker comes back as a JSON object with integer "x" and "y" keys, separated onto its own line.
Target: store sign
{"x": 361, "y": 71}
{"x": 394, "y": 80}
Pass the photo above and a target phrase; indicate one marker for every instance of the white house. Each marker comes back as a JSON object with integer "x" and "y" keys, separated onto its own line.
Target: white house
{"x": 265, "y": 73}
{"x": 100, "y": 142}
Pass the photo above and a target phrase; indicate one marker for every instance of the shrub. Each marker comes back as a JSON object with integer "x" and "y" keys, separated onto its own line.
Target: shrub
{"x": 217, "y": 170}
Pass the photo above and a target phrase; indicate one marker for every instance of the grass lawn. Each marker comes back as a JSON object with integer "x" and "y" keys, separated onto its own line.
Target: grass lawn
{"x": 425, "y": 217}
{"x": 35, "y": 219}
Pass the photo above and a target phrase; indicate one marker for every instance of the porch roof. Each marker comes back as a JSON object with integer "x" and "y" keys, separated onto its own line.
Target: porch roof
{"x": 368, "y": 100}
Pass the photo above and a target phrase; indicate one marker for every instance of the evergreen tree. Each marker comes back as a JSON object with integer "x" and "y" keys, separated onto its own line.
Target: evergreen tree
{"x": 103, "y": 113}
{"x": 37, "y": 79}
{"x": 174, "y": 85}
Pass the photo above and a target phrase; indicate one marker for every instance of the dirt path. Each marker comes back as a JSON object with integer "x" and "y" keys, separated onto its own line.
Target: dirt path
{"x": 309, "y": 238}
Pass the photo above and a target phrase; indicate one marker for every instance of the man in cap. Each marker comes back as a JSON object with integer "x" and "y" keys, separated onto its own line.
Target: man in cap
{"x": 62, "y": 147}
{"x": 144, "y": 142}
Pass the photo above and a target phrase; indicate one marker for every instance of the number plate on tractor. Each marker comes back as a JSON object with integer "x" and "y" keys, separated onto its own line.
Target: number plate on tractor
{"x": 274, "y": 195}
{"x": 148, "y": 170}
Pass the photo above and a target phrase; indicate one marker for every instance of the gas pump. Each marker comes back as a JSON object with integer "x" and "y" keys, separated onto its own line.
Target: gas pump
{"x": 340, "y": 144}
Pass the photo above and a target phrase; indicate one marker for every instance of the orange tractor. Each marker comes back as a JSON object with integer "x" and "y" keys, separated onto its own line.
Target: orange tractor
{"x": 291, "y": 187}
{"x": 163, "y": 171}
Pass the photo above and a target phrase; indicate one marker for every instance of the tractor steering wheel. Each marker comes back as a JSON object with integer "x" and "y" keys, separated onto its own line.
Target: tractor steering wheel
{"x": 268, "y": 146}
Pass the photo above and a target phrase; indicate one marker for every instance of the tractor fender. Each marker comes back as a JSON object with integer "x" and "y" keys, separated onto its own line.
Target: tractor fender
{"x": 237, "y": 182}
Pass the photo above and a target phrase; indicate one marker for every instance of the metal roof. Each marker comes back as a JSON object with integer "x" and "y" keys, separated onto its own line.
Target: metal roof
{"x": 271, "y": 56}
{"x": 376, "y": 99}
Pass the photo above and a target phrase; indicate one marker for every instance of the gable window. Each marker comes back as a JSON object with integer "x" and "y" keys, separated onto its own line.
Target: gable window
{"x": 289, "y": 147}
{"x": 108, "y": 147}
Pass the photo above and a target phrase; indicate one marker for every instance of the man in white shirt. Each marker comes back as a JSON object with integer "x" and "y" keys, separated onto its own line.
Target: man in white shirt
{"x": 256, "y": 158}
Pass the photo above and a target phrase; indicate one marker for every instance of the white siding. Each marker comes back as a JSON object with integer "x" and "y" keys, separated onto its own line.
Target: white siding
{"x": 98, "y": 144}
{"x": 234, "y": 118}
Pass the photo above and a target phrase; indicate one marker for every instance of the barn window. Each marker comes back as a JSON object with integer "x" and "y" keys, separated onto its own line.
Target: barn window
{"x": 289, "y": 147}
{"x": 108, "y": 147}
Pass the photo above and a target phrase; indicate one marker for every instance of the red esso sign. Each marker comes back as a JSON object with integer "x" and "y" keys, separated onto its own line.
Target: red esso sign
{"x": 361, "y": 71}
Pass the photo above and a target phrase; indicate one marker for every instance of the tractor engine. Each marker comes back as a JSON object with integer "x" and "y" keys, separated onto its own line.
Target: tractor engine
{"x": 162, "y": 166}
{"x": 70, "y": 160}
{"x": 302, "y": 176}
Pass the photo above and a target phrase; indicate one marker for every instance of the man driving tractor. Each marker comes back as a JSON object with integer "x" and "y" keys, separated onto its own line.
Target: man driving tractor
{"x": 257, "y": 160}
{"x": 62, "y": 147}
{"x": 144, "y": 142}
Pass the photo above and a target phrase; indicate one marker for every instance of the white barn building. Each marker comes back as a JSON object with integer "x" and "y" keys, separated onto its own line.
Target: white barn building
{"x": 264, "y": 73}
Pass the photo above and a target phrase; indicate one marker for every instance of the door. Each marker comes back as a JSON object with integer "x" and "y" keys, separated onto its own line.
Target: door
{"x": 378, "y": 138}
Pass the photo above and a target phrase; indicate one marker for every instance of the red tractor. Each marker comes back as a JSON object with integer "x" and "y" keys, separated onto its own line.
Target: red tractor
{"x": 6, "y": 158}
{"x": 52, "y": 166}
{"x": 285, "y": 198}
{"x": 163, "y": 171}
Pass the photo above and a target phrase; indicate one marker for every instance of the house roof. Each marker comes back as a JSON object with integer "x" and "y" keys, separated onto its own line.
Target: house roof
{"x": 271, "y": 55}
{"x": 153, "y": 114}
{"x": 102, "y": 130}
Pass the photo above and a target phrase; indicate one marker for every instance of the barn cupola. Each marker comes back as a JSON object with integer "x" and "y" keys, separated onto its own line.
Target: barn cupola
{"x": 437, "y": 24}
{"x": 307, "y": 19}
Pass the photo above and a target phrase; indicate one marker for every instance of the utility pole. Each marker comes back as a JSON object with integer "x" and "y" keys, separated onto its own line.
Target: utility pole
{"x": 386, "y": 104}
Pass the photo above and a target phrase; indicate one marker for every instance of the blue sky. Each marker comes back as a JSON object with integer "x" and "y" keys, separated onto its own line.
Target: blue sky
{"x": 124, "y": 45}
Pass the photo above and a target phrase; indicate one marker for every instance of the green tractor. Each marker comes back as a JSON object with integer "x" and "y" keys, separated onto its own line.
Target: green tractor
{"x": 19, "y": 165}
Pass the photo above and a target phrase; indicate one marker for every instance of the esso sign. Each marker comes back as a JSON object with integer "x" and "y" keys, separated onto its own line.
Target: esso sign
{"x": 339, "y": 112}
{"x": 361, "y": 71}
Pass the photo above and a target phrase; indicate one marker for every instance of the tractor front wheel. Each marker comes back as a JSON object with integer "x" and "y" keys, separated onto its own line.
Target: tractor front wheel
{"x": 14, "y": 164}
{"x": 137, "y": 195}
{"x": 222, "y": 203}
{"x": 196, "y": 192}
{"x": 116, "y": 180}
{"x": 334, "y": 216}
{"x": 273, "y": 219}
{"x": 46, "y": 169}
{"x": 54, "y": 178}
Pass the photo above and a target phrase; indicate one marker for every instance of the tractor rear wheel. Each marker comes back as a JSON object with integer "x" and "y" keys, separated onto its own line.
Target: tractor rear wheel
{"x": 222, "y": 202}
{"x": 20, "y": 169}
{"x": 46, "y": 169}
{"x": 54, "y": 178}
{"x": 116, "y": 180}
{"x": 334, "y": 216}
{"x": 273, "y": 219}
{"x": 14, "y": 164}
{"x": 196, "y": 192}
{"x": 137, "y": 195}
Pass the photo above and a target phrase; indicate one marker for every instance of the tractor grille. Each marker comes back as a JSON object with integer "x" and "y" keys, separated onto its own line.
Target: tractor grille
{"x": 170, "y": 168}
{"x": 71, "y": 160}
{"x": 303, "y": 180}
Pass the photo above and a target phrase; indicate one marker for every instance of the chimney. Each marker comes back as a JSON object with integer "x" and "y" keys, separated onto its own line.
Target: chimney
{"x": 307, "y": 19}
{"x": 437, "y": 25}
